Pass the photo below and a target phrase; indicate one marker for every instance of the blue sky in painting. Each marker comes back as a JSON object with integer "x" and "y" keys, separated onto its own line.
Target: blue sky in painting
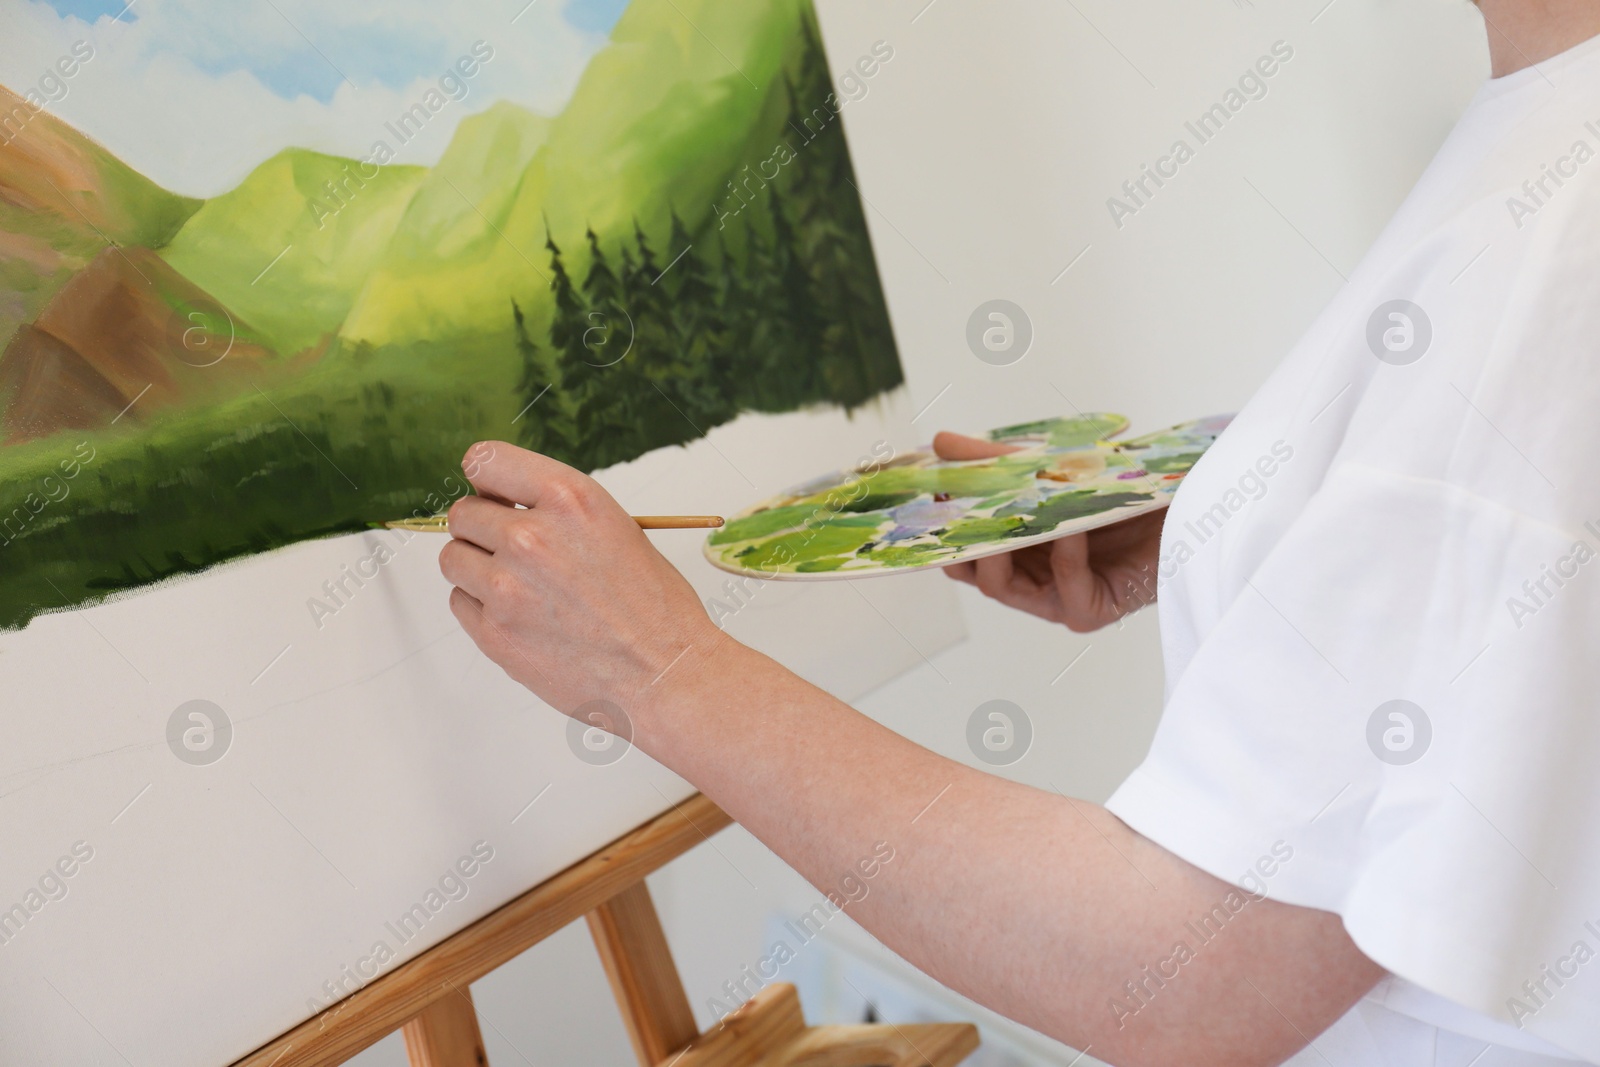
{"x": 256, "y": 77}
{"x": 89, "y": 10}
{"x": 596, "y": 16}
{"x": 387, "y": 55}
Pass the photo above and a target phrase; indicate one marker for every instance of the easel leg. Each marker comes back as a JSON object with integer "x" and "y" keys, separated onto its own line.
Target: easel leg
{"x": 769, "y": 1030}
{"x": 446, "y": 1034}
{"x": 633, "y": 949}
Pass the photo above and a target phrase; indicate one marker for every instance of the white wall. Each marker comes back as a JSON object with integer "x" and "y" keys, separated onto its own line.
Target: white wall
{"x": 988, "y": 147}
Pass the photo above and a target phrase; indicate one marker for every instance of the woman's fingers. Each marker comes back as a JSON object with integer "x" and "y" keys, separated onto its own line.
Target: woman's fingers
{"x": 963, "y": 572}
{"x": 993, "y": 575}
{"x": 1000, "y": 579}
{"x": 1053, "y": 581}
{"x": 504, "y": 471}
{"x": 468, "y": 611}
{"x": 947, "y": 445}
{"x": 1075, "y": 583}
{"x": 467, "y": 608}
{"x": 468, "y": 568}
{"x": 1069, "y": 564}
{"x": 1034, "y": 561}
{"x": 1085, "y": 601}
{"x": 483, "y": 522}
{"x": 1020, "y": 580}
{"x": 566, "y": 594}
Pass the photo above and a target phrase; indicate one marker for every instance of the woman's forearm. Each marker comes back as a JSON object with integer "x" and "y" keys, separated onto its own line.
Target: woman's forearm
{"x": 1038, "y": 906}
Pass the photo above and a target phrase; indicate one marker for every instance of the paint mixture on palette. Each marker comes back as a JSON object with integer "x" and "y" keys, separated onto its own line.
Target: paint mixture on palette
{"x": 917, "y": 510}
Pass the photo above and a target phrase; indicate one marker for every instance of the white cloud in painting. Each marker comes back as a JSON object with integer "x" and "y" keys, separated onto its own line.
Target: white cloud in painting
{"x": 194, "y": 93}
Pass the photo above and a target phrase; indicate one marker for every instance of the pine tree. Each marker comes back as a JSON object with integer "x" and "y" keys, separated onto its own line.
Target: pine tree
{"x": 601, "y": 285}
{"x": 568, "y": 323}
{"x": 652, "y": 309}
{"x": 661, "y": 417}
{"x": 607, "y": 413}
{"x": 699, "y": 334}
{"x": 799, "y": 317}
{"x": 736, "y": 361}
{"x": 763, "y": 326}
{"x": 539, "y": 382}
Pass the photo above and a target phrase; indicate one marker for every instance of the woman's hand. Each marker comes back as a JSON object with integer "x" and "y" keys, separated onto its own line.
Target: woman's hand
{"x": 567, "y": 594}
{"x": 1085, "y": 581}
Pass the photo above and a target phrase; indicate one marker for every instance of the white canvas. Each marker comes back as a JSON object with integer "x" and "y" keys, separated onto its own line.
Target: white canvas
{"x": 366, "y": 758}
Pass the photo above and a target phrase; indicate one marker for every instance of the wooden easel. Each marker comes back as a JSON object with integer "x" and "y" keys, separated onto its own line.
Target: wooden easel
{"x": 428, "y": 996}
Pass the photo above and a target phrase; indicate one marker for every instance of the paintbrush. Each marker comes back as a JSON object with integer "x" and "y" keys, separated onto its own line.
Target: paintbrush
{"x": 441, "y": 523}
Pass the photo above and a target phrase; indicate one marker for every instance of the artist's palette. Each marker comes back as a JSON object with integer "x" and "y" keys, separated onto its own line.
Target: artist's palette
{"x": 915, "y": 510}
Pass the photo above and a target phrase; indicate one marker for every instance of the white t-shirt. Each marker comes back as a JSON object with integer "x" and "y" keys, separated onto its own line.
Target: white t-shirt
{"x": 1380, "y": 608}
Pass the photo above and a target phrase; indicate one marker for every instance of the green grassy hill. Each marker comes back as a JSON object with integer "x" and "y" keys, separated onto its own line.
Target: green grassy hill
{"x": 335, "y": 222}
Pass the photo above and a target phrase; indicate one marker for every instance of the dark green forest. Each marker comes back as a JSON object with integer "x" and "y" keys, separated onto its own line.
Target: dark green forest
{"x": 773, "y": 309}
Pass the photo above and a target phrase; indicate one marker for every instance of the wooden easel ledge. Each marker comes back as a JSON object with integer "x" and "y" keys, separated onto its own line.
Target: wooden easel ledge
{"x": 429, "y": 997}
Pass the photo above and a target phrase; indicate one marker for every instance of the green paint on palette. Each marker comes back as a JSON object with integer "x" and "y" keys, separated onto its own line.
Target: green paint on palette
{"x": 880, "y": 501}
{"x": 1172, "y": 464}
{"x": 978, "y": 531}
{"x": 905, "y": 555}
{"x": 826, "y": 540}
{"x": 762, "y": 524}
{"x": 1064, "y": 433}
{"x": 1065, "y": 478}
{"x": 1064, "y": 507}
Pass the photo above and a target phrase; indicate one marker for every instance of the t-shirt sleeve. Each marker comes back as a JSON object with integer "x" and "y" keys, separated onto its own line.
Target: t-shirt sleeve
{"x": 1391, "y": 708}
{"x": 1403, "y": 696}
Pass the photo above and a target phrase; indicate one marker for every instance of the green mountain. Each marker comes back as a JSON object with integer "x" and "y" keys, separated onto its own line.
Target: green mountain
{"x": 449, "y": 246}
{"x": 289, "y": 249}
{"x": 466, "y": 195}
{"x": 660, "y": 119}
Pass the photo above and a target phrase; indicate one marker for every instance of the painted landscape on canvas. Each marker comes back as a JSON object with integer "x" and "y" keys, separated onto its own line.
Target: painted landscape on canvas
{"x": 186, "y": 381}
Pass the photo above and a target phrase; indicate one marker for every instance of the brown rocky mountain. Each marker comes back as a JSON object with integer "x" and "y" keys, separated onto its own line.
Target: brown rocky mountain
{"x": 91, "y": 320}
{"x": 53, "y": 172}
{"x": 62, "y": 199}
{"x": 124, "y": 338}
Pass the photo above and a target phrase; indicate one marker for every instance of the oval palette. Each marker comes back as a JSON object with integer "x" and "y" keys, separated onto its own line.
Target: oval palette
{"x": 915, "y": 510}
